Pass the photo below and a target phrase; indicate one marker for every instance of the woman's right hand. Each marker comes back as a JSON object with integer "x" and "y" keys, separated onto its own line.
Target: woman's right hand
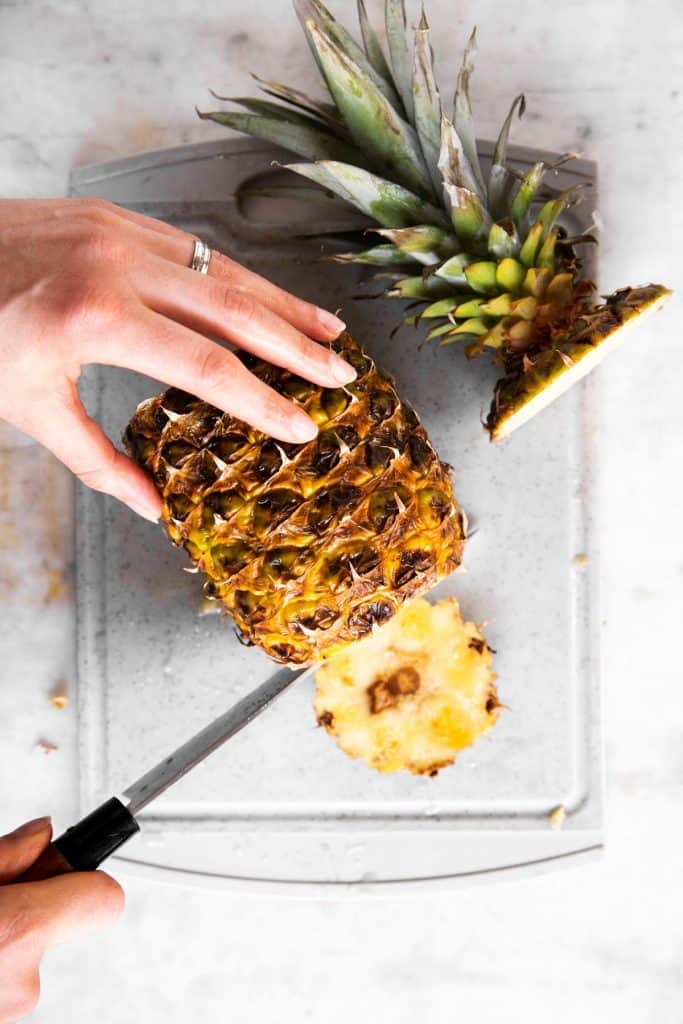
{"x": 37, "y": 915}
{"x": 84, "y": 281}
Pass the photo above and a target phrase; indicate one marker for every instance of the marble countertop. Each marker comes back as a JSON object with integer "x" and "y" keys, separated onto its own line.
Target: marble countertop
{"x": 87, "y": 80}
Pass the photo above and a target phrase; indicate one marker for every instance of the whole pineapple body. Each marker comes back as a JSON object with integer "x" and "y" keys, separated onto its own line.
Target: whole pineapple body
{"x": 308, "y": 547}
{"x": 483, "y": 259}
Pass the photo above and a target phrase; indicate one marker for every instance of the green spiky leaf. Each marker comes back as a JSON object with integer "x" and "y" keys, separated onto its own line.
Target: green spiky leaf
{"x": 462, "y": 112}
{"x": 500, "y": 179}
{"x": 525, "y": 194}
{"x": 426, "y": 244}
{"x": 531, "y": 245}
{"x": 401, "y": 61}
{"x": 503, "y": 240}
{"x": 378, "y": 255}
{"x": 510, "y": 275}
{"x": 481, "y": 277}
{"x": 389, "y": 204}
{"x": 389, "y": 143}
{"x": 427, "y": 104}
{"x": 305, "y": 139}
{"x": 442, "y": 307}
{"x": 373, "y": 47}
{"x": 314, "y": 12}
{"x": 326, "y": 112}
{"x": 419, "y": 288}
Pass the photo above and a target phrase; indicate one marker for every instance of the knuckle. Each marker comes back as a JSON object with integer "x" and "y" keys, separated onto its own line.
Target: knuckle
{"x": 240, "y": 306}
{"x": 85, "y": 305}
{"x": 216, "y": 368}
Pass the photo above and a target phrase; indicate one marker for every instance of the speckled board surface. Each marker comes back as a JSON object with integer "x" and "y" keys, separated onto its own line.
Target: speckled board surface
{"x": 281, "y": 797}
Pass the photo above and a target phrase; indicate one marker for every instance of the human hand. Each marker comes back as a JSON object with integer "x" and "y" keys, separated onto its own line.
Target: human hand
{"x": 83, "y": 281}
{"x": 37, "y": 915}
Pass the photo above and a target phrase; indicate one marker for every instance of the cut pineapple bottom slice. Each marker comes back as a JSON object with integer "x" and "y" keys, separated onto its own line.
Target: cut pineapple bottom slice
{"x": 413, "y": 694}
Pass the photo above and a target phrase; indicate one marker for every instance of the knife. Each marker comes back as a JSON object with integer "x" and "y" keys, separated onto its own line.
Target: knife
{"x": 85, "y": 845}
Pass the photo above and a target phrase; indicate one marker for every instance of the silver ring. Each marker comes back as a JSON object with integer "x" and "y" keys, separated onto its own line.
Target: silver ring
{"x": 201, "y": 257}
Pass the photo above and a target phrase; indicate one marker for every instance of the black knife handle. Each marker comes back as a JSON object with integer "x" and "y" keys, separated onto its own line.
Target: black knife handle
{"x": 85, "y": 845}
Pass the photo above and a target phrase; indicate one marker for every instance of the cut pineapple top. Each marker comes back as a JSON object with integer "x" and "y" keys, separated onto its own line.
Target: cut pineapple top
{"x": 413, "y": 694}
{"x": 307, "y": 546}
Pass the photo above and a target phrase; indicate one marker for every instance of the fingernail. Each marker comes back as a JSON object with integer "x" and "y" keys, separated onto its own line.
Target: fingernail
{"x": 303, "y": 428}
{"x": 342, "y": 371}
{"x": 152, "y": 515}
{"x": 33, "y": 827}
{"x": 331, "y": 322}
{"x": 147, "y": 508}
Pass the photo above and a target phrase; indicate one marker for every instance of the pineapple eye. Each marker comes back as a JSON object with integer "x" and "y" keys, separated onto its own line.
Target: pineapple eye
{"x": 283, "y": 651}
{"x": 319, "y": 618}
{"x": 268, "y": 462}
{"x": 139, "y": 446}
{"x": 159, "y": 418}
{"x": 228, "y": 446}
{"x": 338, "y": 570}
{"x": 211, "y": 590}
{"x": 175, "y": 452}
{"x": 385, "y": 505}
{"x": 202, "y": 471}
{"x": 326, "y": 453}
{"x": 224, "y": 503}
{"x": 378, "y": 455}
{"x": 420, "y": 452}
{"x": 178, "y": 401}
{"x": 280, "y": 563}
{"x": 246, "y": 603}
{"x": 272, "y": 508}
{"x": 433, "y": 505}
{"x": 413, "y": 562}
{"x": 366, "y": 616}
{"x": 382, "y": 405}
{"x": 328, "y": 503}
{"x": 296, "y": 388}
{"x": 334, "y": 402}
{"x": 358, "y": 360}
{"x": 230, "y": 558}
{"x": 179, "y": 506}
{"x": 364, "y": 561}
{"x": 411, "y": 416}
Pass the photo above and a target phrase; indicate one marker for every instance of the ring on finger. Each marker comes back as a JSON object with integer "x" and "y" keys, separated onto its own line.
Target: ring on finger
{"x": 201, "y": 257}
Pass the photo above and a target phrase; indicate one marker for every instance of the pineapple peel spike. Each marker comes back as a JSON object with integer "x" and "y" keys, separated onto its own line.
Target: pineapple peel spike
{"x": 382, "y": 142}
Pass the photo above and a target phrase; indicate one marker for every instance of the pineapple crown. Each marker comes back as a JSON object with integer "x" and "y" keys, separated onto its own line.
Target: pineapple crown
{"x": 481, "y": 256}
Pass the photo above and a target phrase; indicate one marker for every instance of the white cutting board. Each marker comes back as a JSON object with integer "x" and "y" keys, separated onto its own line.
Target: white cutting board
{"x": 280, "y": 805}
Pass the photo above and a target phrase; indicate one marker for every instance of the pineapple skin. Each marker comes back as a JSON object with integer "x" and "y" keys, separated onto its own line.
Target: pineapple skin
{"x": 413, "y": 694}
{"x": 308, "y": 546}
{"x": 536, "y": 376}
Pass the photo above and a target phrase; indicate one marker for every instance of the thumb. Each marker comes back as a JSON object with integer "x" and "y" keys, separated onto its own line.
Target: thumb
{"x": 60, "y": 907}
{"x": 21, "y": 848}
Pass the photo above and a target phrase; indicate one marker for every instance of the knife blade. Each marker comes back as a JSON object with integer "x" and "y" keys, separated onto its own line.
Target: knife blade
{"x": 84, "y": 846}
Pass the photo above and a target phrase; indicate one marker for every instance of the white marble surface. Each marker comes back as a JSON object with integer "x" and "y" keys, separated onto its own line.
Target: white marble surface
{"x": 82, "y": 80}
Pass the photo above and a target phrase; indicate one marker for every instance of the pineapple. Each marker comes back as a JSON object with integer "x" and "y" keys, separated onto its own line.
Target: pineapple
{"x": 482, "y": 257}
{"x": 413, "y": 694}
{"x": 307, "y": 546}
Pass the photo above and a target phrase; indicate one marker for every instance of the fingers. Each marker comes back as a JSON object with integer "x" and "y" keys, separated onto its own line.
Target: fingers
{"x": 85, "y": 449}
{"x": 21, "y": 848}
{"x": 214, "y": 308}
{"x": 156, "y": 346}
{"x": 49, "y": 912}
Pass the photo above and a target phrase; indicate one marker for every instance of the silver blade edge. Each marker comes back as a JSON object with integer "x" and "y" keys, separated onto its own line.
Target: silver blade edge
{"x": 154, "y": 782}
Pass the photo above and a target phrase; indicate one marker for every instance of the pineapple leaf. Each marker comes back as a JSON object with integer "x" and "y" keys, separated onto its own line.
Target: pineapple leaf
{"x": 439, "y": 330}
{"x": 314, "y": 12}
{"x": 389, "y": 204}
{"x": 268, "y": 109}
{"x": 390, "y": 144}
{"x": 481, "y": 277}
{"x": 503, "y": 240}
{"x": 525, "y": 194}
{"x": 373, "y": 47}
{"x": 462, "y": 112}
{"x": 401, "y": 62}
{"x": 442, "y": 307}
{"x": 306, "y": 140}
{"x": 378, "y": 255}
{"x": 531, "y": 245}
{"x": 454, "y": 164}
{"x": 546, "y": 254}
{"x": 327, "y": 112}
{"x": 427, "y": 103}
{"x": 470, "y": 220}
{"x": 426, "y": 244}
{"x": 500, "y": 179}
{"x": 419, "y": 288}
